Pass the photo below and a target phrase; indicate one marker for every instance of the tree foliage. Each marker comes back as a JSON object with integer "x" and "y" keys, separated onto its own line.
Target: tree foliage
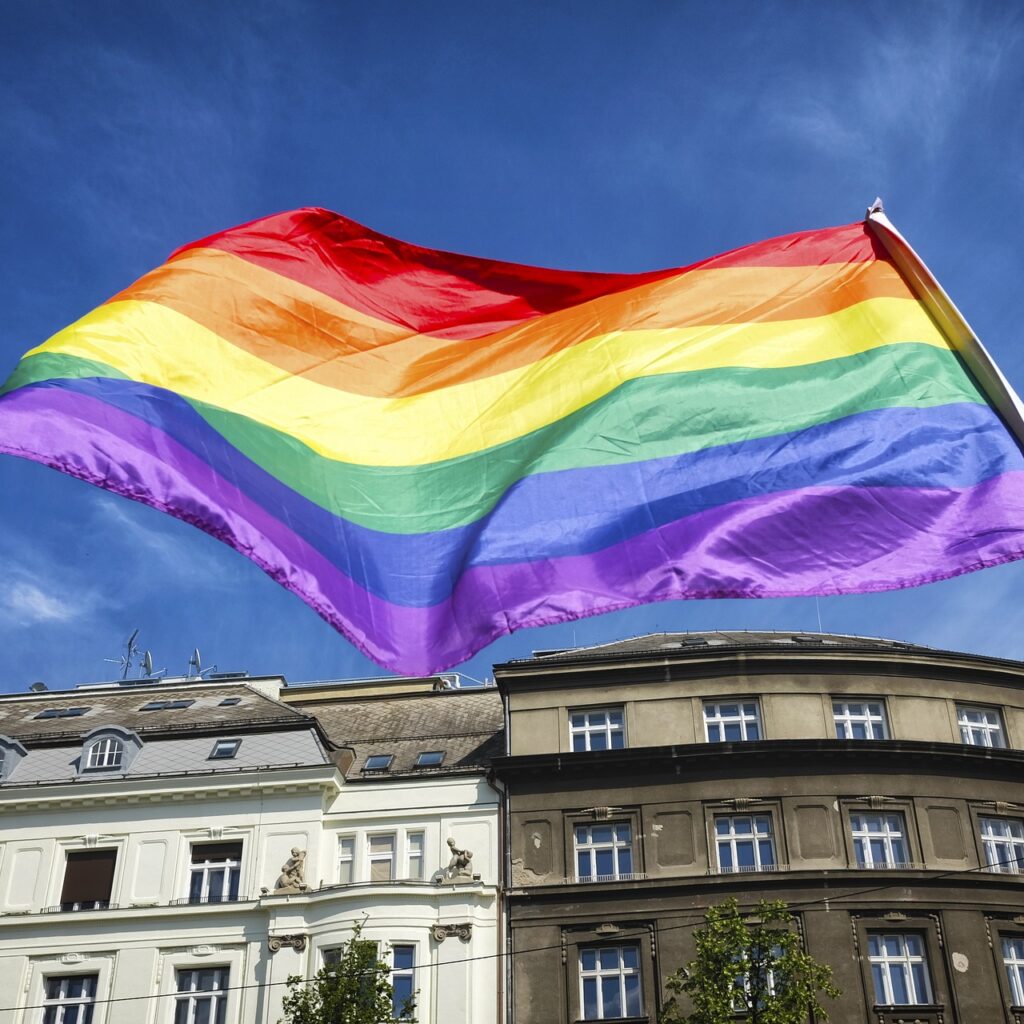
{"x": 356, "y": 989}
{"x": 755, "y": 967}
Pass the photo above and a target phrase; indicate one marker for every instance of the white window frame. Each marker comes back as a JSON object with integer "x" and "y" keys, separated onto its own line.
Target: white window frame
{"x": 617, "y": 845}
{"x": 413, "y": 856}
{"x": 372, "y": 858}
{"x": 1013, "y": 962}
{"x": 982, "y": 733}
{"x": 904, "y": 960}
{"x": 876, "y": 724}
{"x": 106, "y": 752}
{"x": 63, "y": 1003}
{"x": 597, "y": 722}
{"x": 713, "y": 717}
{"x": 405, "y": 972}
{"x": 886, "y": 832}
{"x": 621, "y": 972}
{"x": 227, "y": 865}
{"x": 755, "y": 836}
{"x": 349, "y": 858}
{"x": 217, "y": 997}
{"x": 1004, "y": 853}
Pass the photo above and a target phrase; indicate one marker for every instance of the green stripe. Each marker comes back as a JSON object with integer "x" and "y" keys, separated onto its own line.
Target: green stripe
{"x": 643, "y": 419}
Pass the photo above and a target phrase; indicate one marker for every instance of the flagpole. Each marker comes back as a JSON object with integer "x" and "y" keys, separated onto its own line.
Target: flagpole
{"x": 943, "y": 310}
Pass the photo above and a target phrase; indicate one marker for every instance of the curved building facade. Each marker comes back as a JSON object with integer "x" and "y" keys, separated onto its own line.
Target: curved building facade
{"x": 877, "y": 787}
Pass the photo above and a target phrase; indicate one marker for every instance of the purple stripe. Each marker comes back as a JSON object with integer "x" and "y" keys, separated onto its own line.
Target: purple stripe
{"x": 878, "y": 538}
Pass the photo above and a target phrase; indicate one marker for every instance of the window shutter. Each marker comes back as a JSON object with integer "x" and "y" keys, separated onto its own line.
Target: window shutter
{"x": 89, "y": 876}
{"x": 216, "y": 852}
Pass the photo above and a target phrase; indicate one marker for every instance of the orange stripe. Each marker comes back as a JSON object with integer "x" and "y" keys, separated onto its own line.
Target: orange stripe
{"x": 307, "y": 334}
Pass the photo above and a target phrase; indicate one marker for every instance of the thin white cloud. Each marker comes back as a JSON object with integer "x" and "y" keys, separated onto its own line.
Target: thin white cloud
{"x": 28, "y": 604}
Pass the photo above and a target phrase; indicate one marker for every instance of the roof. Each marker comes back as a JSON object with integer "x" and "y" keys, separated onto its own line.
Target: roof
{"x": 122, "y": 706}
{"x": 466, "y": 724}
{"x": 662, "y": 643}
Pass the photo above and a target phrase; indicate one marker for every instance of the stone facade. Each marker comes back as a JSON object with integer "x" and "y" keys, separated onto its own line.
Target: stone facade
{"x": 883, "y": 845}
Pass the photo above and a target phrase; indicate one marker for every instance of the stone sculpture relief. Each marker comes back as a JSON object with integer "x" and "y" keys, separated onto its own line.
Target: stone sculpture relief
{"x": 293, "y": 874}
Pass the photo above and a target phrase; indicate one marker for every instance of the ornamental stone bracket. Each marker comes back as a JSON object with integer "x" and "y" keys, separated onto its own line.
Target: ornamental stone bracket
{"x": 296, "y": 942}
{"x": 440, "y": 932}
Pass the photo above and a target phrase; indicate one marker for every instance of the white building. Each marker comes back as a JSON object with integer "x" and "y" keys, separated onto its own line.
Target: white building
{"x": 172, "y": 852}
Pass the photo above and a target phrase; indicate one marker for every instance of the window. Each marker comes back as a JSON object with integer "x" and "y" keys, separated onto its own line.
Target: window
{"x": 106, "y": 753}
{"x": 381, "y": 853}
{"x": 229, "y": 702}
{"x": 166, "y": 705}
{"x": 598, "y": 729}
{"x": 899, "y": 969}
{"x": 346, "y": 859}
{"x": 610, "y": 982}
{"x": 62, "y": 713}
{"x": 403, "y": 978}
{"x": 604, "y": 852}
{"x": 744, "y": 983}
{"x": 378, "y": 762}
{"x": 1013, "y": 960}
{"x": 88, "y": 879}
{"x": 69, "y": 1000}
{"x": 879, "y": 840}
{"x": 860, "y": 720}
{"x": 414, "y": 855}
{"x": 729, "y": 723}
{"x": 980, "y": 727}
{"x": 224, "y": 749}
{"x": 1003, "y": 840}
{"x": 430, "y": 759}
{"x": 201, "y": 997}
{"x": 745, "y": 842}
{"x": 216, "y": 872}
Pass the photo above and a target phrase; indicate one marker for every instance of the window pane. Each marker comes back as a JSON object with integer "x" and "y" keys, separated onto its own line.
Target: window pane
{"x": 630, "y": 956}
{"x": 632, "y": 986}
{"x": 752, "y": 732}
{"x": 403, "y": 957}
{"x": 898, "y": 978}
{"x": 920, "y": 975}
{"x": 732, "y": 732}
{"x": 618, "y": 740}
{"x": 598, "y": 741}
{"x": 588, "y": 959}
{"x": 745, "y": 853}
{"x": 610, "y": 997}
{"x": 609, "y": 959}
{"x": 590, "y": 1010}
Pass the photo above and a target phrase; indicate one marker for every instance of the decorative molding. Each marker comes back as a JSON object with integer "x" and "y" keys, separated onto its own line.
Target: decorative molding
{"x": 296, "y": 942}
{"x": 72, "y": 958}
{"x": 894, "y": 915}
{"x": 202, "y": 950}
{"x": 607, "y": 929}
{"x": 440, "y": 932}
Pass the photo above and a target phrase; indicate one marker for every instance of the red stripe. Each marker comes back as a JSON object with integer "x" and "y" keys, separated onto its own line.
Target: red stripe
{"x": 454, "y": 296}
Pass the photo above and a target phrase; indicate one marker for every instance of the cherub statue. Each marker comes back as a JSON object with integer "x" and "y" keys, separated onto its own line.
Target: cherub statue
{"x": 458, "y": 866}
{"x": 293, "y": 873}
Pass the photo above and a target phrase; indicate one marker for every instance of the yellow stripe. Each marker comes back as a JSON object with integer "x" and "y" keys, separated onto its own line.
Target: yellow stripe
{"x": 156, "y": 345}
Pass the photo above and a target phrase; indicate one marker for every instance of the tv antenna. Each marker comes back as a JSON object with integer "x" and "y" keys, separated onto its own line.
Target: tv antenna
{"x": 126, "y": 659}
{"x": 147, "y": 667}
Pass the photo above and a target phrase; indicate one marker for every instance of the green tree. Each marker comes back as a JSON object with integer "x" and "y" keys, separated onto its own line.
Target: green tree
{"x": 753, "y": 966}
{"x": 354, "y": 989}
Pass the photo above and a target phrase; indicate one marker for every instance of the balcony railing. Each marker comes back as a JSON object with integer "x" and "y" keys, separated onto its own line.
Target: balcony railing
{"x": 187, "y": 901}
{"x": 896, "y": 865}
{"x": 748, "y": 869}
{"x": 70, "y": 908}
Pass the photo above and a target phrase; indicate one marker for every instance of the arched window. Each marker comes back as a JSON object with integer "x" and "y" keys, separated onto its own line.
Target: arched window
{"x": 107, "y": 752}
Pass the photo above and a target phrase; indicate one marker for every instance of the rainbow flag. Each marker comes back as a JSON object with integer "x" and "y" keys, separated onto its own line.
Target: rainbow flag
{"x": 433, "y": 450}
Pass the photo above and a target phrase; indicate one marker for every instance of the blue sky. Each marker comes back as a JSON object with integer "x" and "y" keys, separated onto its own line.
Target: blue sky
{"x": 591, "y": 135}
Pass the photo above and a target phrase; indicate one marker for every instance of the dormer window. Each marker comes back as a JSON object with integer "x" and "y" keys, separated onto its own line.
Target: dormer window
{"x": 105, "y": 753}
{"x": 11, "y": 752}
{"x": 110, "y": 748}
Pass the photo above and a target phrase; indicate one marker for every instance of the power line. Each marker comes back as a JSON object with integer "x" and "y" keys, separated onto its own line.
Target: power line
{"x": 679, "y": 926}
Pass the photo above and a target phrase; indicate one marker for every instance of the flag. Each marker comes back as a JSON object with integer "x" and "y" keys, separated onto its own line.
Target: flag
{"x": 433, "y": 450}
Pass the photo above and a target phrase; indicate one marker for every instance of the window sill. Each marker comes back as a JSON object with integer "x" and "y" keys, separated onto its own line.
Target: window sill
{"x": 910, "y": 1013}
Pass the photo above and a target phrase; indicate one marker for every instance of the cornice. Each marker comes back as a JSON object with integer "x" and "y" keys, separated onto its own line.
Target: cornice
{"x": 321, "y": 778}
{"x": 801, "y": 755}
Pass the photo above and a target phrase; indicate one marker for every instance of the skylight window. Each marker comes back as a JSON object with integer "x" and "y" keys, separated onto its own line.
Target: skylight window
{"x": 166, "y": 705}
{"x": 430, "y": 759}
{"x": 225, "y": 749}
{"x": 62, "y": 712}
{"x": 228, "y": 702}
{"x": 378, "y": 762}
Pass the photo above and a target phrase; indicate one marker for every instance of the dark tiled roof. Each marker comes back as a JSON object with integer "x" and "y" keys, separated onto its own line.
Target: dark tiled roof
{"x": 466, "y": 724}
{"x": 122, "y": 706}
{"x": 673, "y": 643}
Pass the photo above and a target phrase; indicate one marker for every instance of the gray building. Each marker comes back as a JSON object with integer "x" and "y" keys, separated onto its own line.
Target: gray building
{"x": 875, "y": 786}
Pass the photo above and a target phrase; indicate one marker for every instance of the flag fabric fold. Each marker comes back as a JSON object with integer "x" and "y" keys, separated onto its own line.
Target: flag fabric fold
{"x": 433, "y": 450}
